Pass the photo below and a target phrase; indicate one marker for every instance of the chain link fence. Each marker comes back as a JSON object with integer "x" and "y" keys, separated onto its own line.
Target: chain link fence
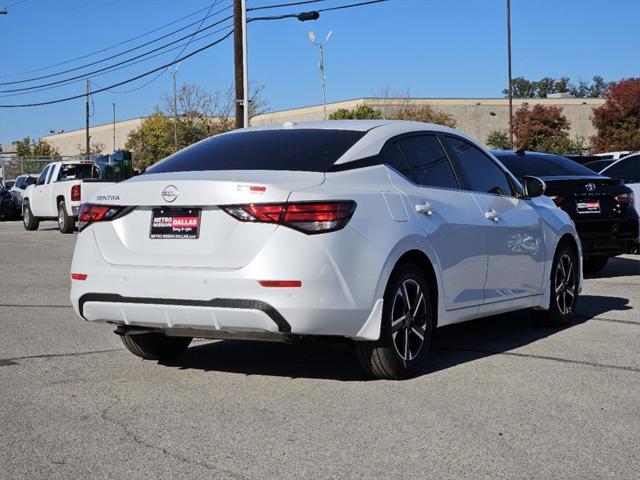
{"x": 11, "y": 167}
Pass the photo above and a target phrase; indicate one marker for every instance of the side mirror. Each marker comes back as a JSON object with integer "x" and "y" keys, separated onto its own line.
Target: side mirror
{"x": 533, "y": 186}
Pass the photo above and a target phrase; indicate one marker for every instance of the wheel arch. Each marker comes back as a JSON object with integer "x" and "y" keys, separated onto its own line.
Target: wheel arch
{"x": 426, "y": 264}
{"x": 59, "y": 199}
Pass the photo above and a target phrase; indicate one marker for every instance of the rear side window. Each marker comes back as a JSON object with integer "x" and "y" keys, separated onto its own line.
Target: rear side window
{"x": 76, "y": 171}
{"x": 20, "y": 183}
{"x": 394, "y": 158}
{"x": 428, "y": 161}
{"x": 627, "y": 169}
{"x": 309, "y": 150}
{"x": 482, "y": 174}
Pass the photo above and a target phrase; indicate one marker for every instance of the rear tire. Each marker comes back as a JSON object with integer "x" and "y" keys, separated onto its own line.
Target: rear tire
{"x": 155, "y": 346}
{"x": 407, "y": 325}
{"x": 593, "y": 265}
{"x": 564, "y": 286}
{"x": 66, "y": 224}
{"x": 28, "y": 220}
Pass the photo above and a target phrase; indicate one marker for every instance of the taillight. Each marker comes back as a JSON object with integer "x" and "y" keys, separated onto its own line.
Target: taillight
{"x": 75, "y": 193}
{"x": 90, "y": 213}
{"x": 625, "y": 199}
{"x": 307, "y": 217}
{"x": 557, "y": 199}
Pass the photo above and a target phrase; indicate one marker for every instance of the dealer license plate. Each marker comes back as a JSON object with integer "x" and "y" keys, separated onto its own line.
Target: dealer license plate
{"x": 588, "y": 206}
{"x": 175, "y": 223}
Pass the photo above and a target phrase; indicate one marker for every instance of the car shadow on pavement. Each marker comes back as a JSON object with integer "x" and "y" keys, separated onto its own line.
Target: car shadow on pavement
{"x": 451, "y": 346}
{"x": 618, "y": 267}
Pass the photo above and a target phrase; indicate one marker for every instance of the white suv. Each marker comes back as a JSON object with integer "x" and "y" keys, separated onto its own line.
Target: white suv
{"x": 378, "y": 231}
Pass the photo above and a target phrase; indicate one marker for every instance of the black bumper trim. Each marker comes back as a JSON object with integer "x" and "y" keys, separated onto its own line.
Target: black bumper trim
{"x": 272, "y": 313}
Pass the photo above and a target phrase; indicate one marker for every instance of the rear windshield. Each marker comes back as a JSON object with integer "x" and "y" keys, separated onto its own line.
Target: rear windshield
{"x": 308, "y": 150}
{"x": 76, "y": 171}
{"x": 542, "y": 165}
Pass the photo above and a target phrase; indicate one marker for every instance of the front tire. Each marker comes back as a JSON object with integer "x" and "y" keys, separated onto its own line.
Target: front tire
{"x": 155, "y": 346}
{"x": 564, "y": 286}
{"x": 407, "y": 325}
{"x": 593, "y": 265}
{"x": 66, "y": 224}
{"x": 29, "y": 221}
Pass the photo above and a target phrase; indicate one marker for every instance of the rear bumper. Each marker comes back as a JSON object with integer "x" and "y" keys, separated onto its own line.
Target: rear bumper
{"x": 608, "y": 237}
{"x": 231, "y": 300}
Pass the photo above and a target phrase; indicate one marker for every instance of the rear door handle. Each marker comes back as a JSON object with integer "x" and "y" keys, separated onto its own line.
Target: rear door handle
{"x": 425, "y": 209}
{"x": 492, "y": 215}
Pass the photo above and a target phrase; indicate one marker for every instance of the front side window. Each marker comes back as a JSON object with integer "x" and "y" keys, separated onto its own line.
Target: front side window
{"x": 482, "y": 174}
{"x": 428, "y": 161}
{"x": 20, "y": 183}
{"x": 627, "y": 169}
{"x": 43, "y": 176}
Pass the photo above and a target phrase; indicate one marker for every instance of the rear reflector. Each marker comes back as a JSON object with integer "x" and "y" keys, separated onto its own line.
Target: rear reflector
{"x": 75, "y": 193}
{"x": 307, "y": 217}
{"x": 79, "y": 276}
{"x": 281, "y": 283}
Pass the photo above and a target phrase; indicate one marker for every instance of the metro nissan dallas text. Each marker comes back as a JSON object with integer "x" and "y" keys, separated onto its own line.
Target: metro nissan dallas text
{"x": 374, "y": 231}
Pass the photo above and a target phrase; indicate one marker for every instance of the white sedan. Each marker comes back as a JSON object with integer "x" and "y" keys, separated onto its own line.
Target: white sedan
{"x": 377, "y": 231}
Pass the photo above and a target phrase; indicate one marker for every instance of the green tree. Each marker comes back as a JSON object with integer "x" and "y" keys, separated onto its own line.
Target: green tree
{"x": 498, "y": 139}
{"x": 151, "y": 142}
{"x": 361, "y": 112}
{"x": 425, "y": 113}
{"x": 30, "y": 148}
{"x": 524, "y": 88}
{"x": 617, "y": 122}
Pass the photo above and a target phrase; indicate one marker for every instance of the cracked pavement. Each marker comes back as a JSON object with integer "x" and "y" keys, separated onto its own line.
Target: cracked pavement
{"x": 502, "y": 397}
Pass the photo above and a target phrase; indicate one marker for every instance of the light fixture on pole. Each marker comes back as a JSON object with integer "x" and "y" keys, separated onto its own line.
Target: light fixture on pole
{"x": 321, "y": 45}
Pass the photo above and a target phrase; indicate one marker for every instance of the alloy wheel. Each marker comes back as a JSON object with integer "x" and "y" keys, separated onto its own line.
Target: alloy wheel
{"x": 565, "y": 284}
{"x": 409, "y": 316}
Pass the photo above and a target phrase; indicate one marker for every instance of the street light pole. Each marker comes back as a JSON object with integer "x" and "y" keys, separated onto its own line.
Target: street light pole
{"x": 174, "y": 71}
{"x": 321, "y": 45}
{"x": 86, "y": 109}
{"x": 114, "y": 125}
{"x": 509, "y": 63}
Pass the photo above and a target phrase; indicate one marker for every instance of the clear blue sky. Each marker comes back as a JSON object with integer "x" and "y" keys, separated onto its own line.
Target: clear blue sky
{"x": 428, "y": 48}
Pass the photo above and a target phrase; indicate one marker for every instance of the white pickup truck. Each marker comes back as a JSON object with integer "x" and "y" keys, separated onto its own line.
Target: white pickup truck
{"x": 58, "y": 193}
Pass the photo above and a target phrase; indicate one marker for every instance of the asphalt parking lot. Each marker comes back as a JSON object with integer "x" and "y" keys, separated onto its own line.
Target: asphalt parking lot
{"x": 502, "y": 398}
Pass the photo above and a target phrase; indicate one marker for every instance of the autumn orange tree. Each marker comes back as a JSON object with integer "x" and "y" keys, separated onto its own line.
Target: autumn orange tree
{"x": 544, "y": 129}
{"x": 617, "y": 122}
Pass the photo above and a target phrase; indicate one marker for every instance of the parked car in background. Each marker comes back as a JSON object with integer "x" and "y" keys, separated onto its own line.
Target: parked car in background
{"x": 7, "y": 208}
{"x": 376, "y": 231}
{"x": 601, "y": 207}
{"x": 18, "y": 188}
{"x": 627, "y": 169}
{"x": 598, "y": 165}
{"x": 63, "y": 186}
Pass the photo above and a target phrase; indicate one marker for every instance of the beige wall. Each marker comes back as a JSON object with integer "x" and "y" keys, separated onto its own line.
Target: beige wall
{"x": 475, "y": 117}
{"x": 67, "y": 142}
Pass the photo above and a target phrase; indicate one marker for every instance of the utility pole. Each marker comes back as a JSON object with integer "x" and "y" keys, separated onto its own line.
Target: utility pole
{"x": 509, "y": 62}
{"x": 88, "y": 146}
{"x": 321, "y": 45}
{"x": 114, "y": 125}
{"x": 238, "y": 60}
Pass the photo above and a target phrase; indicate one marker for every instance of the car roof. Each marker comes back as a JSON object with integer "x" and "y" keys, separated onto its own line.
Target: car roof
{"x": 527, "y": 153}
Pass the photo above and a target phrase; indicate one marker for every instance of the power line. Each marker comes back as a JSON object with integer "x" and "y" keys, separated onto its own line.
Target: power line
{"x": 123, "y": 62}
{"x": 124, "y": 82}
{"x": 114, "y": 69}
{"x": 177, "y": 60}
{"x": 111, "y": 57}
{"x": 162, "y": 72}
{"x": 111, "y": 47}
